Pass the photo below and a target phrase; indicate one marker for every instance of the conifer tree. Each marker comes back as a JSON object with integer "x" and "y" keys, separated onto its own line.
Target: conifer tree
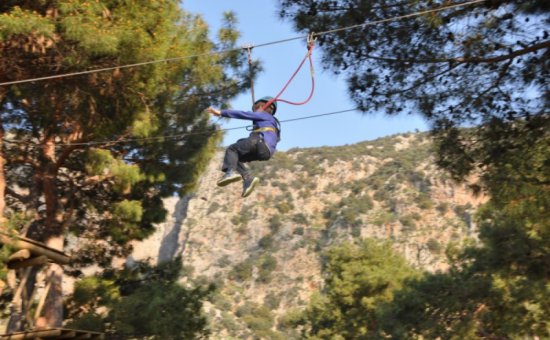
{"x": 484, "y": 63}
{"x": 358, "y": 278}
{"x": 499, "y": 288}
{"x": 483, "y": 66}
{"x": 141, "y": 301}
{"x": 93, "y": 154}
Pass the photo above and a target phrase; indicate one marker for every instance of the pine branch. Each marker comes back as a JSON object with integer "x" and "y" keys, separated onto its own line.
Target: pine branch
{"x": 464, "y": 60}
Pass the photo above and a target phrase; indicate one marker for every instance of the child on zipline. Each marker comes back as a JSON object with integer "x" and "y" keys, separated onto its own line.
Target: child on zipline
{"x": 259, "y": 146}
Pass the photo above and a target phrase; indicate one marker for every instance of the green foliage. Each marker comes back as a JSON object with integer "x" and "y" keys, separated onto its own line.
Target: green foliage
{"x": 414, "y": 312}
{"x": 272, "y": 300}
{"x": 424, "y": 201}
{"x": 300, "y": 218}
{"x": 266, "y": 265}
{"x": 126, "y": 217}
{"x": 22, "y": 21}
{"x": 131, "y": 296}
{"x": 431, "y": 66}
{"x": 242, "y": 218}
{"x": 6, "y": 250}
{"x": 284, "y": 206}
{"x": 434, "y": 246}
{"x": 85, "y": 135}
{"x": 221, "y": 302}
{"x": 442, "y": 207}
{"x": 174, "y": 307}
{"x": 259, "y": 319}
{"x": 242, "y": 271}
{"x": 383, "y": 218}
{"x": 125, "y": 176}
{"x": 499, "y": 287}
{"x": 228, "y": 323}
{"x": 298, "y": 231}
{"x": 89, "y": 321}
{"x": 223, "y": 262}
{"x": 105, "y": 291}
{"x": 358, "y": 279}
{"x": 292, "y": 319}
{"x": 494, "y": 290}
{"x": 408, "y": 222}
{"x": 266, "y": 242}
{"x": 348, "y": 210}
{"x": 275, "y": 223}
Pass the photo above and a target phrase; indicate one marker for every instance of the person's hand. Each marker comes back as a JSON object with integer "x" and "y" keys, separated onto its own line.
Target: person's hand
{"x": 214, "y": 111}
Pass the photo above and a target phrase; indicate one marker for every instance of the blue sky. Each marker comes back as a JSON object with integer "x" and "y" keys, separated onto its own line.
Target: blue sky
{"x": 258, "y": 24}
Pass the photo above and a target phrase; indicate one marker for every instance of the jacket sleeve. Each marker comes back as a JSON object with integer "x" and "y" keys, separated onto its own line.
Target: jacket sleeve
{"x": 246, "y": 115}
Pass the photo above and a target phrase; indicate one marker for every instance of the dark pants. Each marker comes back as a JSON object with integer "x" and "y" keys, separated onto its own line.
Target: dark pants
{"x": 245, "y": 150}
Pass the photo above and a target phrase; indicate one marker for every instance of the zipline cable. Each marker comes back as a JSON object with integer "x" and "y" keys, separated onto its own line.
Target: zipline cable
{"x": 178, "y": 136}
{"x": 370, "y": 23}
{"x": 405, "y": 16}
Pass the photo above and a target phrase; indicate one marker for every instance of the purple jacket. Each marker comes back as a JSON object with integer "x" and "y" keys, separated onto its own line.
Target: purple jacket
{"x": 260, "y": 120}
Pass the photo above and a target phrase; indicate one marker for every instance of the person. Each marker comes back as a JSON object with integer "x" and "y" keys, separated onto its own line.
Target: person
{"x": 260, "y": 145}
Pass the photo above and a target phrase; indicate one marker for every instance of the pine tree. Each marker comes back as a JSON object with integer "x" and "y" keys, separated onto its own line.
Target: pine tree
{"x": 480, "y": 64}
{"x": 357, "y": 279}
{"x": 498, "y": 288}
{"x": 94, "y": 154}
{"x": 142, "y": 301}
{"x": 479, "y": 75}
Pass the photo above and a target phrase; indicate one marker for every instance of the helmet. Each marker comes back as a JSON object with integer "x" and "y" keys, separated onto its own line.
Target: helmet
{"x": 266, "y": 99}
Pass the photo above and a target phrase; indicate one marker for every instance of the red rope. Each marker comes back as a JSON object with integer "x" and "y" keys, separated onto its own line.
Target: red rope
{"x": 276, "y": 98}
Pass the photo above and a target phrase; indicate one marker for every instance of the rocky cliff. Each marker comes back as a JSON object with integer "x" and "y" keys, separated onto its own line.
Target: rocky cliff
{"x": 266, "y": 250}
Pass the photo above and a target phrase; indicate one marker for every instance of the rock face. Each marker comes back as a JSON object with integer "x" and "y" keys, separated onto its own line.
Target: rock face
{"x": 265, "y": 250}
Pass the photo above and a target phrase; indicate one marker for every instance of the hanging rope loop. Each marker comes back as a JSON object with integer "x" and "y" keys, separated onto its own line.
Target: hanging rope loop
{"x": 310, "y": 44}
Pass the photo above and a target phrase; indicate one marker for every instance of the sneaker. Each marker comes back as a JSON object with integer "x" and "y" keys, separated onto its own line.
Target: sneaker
{"x": 228, "y": 178}
{"x": 248, "y": 185}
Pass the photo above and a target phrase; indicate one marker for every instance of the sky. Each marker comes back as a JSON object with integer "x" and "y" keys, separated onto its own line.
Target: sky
{"x": 259, "y": 23}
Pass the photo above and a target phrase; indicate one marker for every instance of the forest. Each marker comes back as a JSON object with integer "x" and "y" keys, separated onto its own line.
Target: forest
{"x": 102, "y": 116}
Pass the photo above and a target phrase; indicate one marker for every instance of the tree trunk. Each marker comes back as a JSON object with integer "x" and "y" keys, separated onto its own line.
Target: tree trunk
{"x": 53, "y": 309}
{"x": 2, "y": 176}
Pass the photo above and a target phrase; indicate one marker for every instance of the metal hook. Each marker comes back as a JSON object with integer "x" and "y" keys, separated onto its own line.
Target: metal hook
{"x": 311, "y": 39}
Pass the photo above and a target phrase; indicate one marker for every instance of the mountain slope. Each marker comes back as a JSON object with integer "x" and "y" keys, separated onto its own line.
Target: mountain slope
{"x": 264, "y": 251}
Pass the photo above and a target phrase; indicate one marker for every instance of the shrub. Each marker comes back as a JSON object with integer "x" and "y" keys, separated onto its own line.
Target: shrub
{"x": 383, "y": 218}
{"x": 213, "y": 207}
{"x": 298, "y": 231}
{"x": 284, "y": 207}
{"x": 356, "y": 229}
{"x": 266, "y": 242}
{"x": 408, "y": 222}
{"x": 272, "y": 300}
{"x": 434, "y": 246}
{"x": 267, "y": 264}
{"x": 300, "y": 218}
{"x": 275, "y": 223}
{"x": 223, "y": 262}
{"x": 242, "y": 271}
{"x": 442, "y": 207}
{"x": 424, "y": 201}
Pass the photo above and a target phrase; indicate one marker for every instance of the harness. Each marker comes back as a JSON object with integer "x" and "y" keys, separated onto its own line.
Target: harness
{"x": 265, "y": 129}
{"x": 277, "y": 130}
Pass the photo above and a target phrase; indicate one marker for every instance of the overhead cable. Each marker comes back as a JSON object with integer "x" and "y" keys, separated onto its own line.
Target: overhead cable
{"x": 370, "y": 23}
{"x": 175, "y": 136}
